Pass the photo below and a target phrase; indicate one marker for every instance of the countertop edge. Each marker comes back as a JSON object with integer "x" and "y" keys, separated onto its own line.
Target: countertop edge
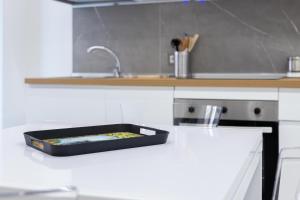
{"x": 167, "y": 82}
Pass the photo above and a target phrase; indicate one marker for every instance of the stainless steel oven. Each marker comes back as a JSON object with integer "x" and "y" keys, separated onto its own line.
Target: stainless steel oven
{"x": 245, "y": 114}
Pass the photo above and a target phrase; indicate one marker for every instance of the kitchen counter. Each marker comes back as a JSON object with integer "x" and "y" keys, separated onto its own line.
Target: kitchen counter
{"x": 171, "y": 82}
{"x": 196, "y": 163}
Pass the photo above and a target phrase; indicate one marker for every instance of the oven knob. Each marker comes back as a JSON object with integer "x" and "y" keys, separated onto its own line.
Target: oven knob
{"x": 191, "y": 109}
{"x": 257, "y": 111}
{"x": 224, "y": 110}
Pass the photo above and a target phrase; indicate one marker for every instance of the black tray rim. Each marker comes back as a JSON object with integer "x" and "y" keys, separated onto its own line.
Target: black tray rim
{"x": 160, "y": 137}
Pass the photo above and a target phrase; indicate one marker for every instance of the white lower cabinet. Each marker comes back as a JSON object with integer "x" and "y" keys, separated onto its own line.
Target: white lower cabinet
{"x": 99, "y": 105}
{"x": 68, "y": 105}
{"x": 289, "y": 134}
{"x": 289, "y": 116}
{"x": 141, "y": 105}
{"x": 290, "y": 178}
{"x": 289, "y": 106}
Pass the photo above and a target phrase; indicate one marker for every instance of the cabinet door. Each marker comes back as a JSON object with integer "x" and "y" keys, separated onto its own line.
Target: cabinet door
{"x": 140, "y": 105}
{"x": 289, "y": 106}
{"x": 99, "y": 105}
{"x": 289, "y": 182}
{"x": 289, "y": 134}
{"x": 68, "y": 105}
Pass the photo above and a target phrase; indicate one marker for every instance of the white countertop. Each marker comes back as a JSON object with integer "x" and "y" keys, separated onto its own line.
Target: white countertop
{"x": 196, "y": 163}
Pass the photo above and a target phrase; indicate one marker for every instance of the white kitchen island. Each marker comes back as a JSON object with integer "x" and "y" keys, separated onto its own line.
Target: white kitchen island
{"x": 196, "y": 163}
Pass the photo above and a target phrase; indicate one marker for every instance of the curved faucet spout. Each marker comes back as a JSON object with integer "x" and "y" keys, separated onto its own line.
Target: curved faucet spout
{"x": 117, "y": 70}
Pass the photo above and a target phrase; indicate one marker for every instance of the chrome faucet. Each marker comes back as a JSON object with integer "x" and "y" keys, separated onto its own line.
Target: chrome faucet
{"x": 117, "y": 69}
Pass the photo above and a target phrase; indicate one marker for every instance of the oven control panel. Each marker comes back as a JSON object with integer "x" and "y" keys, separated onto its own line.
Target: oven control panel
{"x": 231, "y": 109}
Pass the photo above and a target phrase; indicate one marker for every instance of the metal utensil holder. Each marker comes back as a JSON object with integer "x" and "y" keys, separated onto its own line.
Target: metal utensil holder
{"x": 294, "y": 64}
{"x": 182, "y": 67}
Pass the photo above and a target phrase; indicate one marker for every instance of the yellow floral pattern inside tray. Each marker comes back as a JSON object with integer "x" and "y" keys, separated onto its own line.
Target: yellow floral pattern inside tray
{"x": 92, "y": 138}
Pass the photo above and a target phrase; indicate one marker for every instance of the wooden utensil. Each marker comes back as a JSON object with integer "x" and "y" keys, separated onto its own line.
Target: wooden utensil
{"x": 184, "y": 44}
{"x": 193, "y": 41}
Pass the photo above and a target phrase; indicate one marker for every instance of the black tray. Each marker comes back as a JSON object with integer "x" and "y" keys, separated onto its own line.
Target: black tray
{"x": 150, "y": 136}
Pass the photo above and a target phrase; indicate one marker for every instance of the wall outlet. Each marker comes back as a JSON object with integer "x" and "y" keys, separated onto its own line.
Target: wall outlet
{"x": 171, "y": 59}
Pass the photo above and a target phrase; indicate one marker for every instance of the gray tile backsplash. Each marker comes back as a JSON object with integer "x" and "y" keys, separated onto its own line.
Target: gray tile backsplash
{"x": 254, "y": 36}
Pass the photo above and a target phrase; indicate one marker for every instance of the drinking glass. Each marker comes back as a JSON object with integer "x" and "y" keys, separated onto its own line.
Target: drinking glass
{"x": 198, "y": 115}
{"x": 212, "y": 115}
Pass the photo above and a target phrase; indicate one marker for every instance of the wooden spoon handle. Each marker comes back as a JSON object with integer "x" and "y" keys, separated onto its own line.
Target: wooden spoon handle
{"x": 193, "y": 41}
{"x": 184, "y": 44}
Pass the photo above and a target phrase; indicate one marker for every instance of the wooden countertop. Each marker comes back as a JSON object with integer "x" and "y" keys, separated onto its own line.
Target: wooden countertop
{"x": 280, "y": 83}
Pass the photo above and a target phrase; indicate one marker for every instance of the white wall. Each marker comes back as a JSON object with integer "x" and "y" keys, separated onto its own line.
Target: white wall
{"x": 30, "y": 50}
{"x": 1, "y": 60}
{"x": 21, "y": 53}
{"x": 56, "y": 42}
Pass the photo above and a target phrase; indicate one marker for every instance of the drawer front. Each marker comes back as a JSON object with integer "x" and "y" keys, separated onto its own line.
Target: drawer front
{"x": 289, "y": 134}
{"x": 226, "y": 93}
{"x": 289, "y": 104}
